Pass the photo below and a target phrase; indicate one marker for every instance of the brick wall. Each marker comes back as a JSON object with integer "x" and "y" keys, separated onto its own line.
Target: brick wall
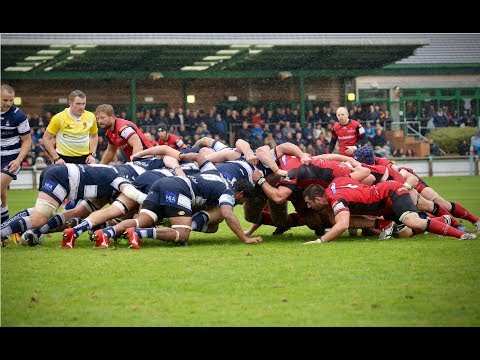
{"x": 208, "y": 92}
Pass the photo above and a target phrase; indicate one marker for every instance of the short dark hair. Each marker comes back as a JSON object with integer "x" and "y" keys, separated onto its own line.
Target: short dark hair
{"x": 76, "y": 93}
{"x": 244, "y": 186}
{"x": 162, "y": 127}
{"x": 312, "y": 191}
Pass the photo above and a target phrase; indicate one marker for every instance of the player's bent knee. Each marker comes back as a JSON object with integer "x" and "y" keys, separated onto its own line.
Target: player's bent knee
{"x": 120, "y": 206}
{"x": 45, "y": 208}
{"x": 150, "y": 214}
{"x": 212, "y": 228}
{"x": 131, "y": 192}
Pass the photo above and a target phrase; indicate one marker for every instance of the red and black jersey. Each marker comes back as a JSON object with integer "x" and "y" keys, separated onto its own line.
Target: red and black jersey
{"x": 173, "y": 141}
{"x": 348, "y": 194}
{"x": 122, "y": 131}
{"x": 377, "y": 171}
{"x": 382, "y": 161}
{"x": 347, "y": 135}
{"x": 320, "y": 172}
{"x": 394, "y": 174}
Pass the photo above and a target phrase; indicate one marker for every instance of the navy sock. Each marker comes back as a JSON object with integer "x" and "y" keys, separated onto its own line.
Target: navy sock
{"x": 52, "y": 223}
{"x": 200, "y": 221}
{"x": 18, "y": 226}
{"x": 82, "y": 227}
{"x": 4, "y": 213}
{"x": 21, "y": 213}
{"x": 110, "y": 231}
{"x": 146, "y": 233}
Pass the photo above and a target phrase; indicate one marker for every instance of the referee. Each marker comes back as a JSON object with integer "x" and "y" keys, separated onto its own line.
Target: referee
{"x": 72, "y": 134}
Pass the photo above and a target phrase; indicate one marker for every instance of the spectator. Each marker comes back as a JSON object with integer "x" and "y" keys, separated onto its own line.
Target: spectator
{"x": 410, "y": 153}
{"x": 369, "y": 132}
{"x": 220, "y": 127}
{"x": 244, "y": 132}
{"x": 434, "y": 149}
{"x": 464, "y": 148}
{"x": 380, "y": 144}
{"x": 439, "y": 119}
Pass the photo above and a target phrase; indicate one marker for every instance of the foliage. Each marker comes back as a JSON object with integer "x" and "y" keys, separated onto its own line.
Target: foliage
{"x": 449, "y": 138}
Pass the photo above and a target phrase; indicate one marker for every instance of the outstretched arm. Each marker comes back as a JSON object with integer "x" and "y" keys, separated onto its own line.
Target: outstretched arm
{"x": 157, "y": 150}
{"x": 204, "y": 142}
{"x": 199, "y": 159}
{"x": 109, "y": 154}
{"x": 223, "y": 155}
{"x": 278, "y": 195}
{"x": 342, "y": 222}
{"x": 338, "y": 157}
{"x": 292, "y": 149}
{"x": 234, "y": 225}
{"x": 244, "y": 148}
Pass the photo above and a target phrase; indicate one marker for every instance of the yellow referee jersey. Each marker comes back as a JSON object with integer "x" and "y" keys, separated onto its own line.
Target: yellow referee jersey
{"x": 73, "y": 136}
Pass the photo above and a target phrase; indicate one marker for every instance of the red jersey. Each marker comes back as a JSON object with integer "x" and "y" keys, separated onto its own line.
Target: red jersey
{"x": 320, "y": 171}
{"x": 173, "y": 141}
{"x": 394, "y": 173}
{"x": 122, "y": 131}
{"x": 349, "y": 194}
{"x": 377, "y": 171}
{"x": 421, "y": 184}
{"x": 382, "y": 161}
{"x": 347, "y": 135}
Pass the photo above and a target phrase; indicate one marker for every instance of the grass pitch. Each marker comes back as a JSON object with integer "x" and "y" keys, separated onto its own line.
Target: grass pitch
{"x": 218, "y": 281}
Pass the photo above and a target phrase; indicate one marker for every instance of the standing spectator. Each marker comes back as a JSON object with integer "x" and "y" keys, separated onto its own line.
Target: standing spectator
{"x": 369, "y": 131}
{"x": 170, "y": 119}
{"x": 121, "y": 134}
{"x": 372, "y": 115}
{"x": 299, "y": 140}
{"x": 179, "y": 118}
{"x": 75, "y": 132}
{"x": 220, "y": 127}
{"x": 16, "y": 142}
{"x": 287, "y": 129}
{"x": 349, "y": 133}
{"x": 244, "y": 132}
{"x": 171, "y": 140}
{"x": 161, "y": 118}
{"x": 439, "y": 119}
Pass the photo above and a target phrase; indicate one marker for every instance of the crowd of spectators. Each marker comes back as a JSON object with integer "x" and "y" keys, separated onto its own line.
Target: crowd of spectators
{"x": 258, "y": 126}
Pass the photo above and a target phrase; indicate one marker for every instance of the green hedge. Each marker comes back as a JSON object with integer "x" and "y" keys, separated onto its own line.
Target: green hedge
{"x": 449, "y": 138}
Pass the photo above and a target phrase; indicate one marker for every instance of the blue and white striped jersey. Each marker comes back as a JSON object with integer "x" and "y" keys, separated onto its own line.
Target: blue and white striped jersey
{"x": 14, "y": 124}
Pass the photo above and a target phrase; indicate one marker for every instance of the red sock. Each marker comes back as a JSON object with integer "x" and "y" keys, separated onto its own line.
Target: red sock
{"x": 453, "y": 221}
{"x": 459, "y": 211}
{"x": 439, "y": 211}
{"x": 440, "y": 228}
